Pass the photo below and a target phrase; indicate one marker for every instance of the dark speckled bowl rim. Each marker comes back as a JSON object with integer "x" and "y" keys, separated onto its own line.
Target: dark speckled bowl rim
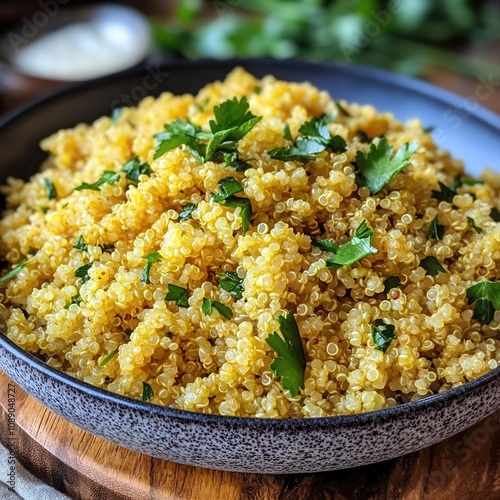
{"x": 426, "y": 89}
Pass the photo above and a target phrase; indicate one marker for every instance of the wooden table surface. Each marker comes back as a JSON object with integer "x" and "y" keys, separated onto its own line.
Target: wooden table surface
{"x": 466, "y": 466}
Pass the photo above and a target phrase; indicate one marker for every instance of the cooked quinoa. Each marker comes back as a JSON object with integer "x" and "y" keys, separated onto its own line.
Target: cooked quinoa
{"x": 111, "y": 325}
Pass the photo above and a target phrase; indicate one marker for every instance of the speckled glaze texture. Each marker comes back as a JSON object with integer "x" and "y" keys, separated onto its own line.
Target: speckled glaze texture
{"x": 254, "y": 445}
{"x": 242, "y": 444}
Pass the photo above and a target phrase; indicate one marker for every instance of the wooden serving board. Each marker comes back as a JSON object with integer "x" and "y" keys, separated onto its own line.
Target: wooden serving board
{"x": 87, "y": 467}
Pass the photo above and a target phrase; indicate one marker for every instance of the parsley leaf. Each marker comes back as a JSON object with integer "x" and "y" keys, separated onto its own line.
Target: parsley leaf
{"x": 79, "y": 244}
{"x": 291, "y": 363}
{"x": 232, "y": 160}
{"x": 342, "y": 109}
{"x": 44, "y": 209}
{"x": 116, "y": 114}
{"x": 223, "y": 310}
{"x": 76, "y": 299}
{"x": 472, "y": 224}
{"x": 436, "y": 230}
{"x": 390, "y": 283}
{"x": 246, "y": 210}
{"x": 447, "y": 193}
{"x": 486, "y": 295}
{"x": 286, "y": 132}
{"x": 178, "y": 294}
{"x": 432, "y": 266}
{"x": 50, "y": 189}
{"x": 378, "y": 167}
{"x": 147, "y": 392}
{"x": 315, "y": 139}
{"x": 363, "y": 136}
{"x": 429, "y": 129}
{"x": 107, "y": 177}
{"x": 83, "y": 272}
{"x": 177, "y": 133}
{"x": 151, "y": 258}
{"x": 13, "y": 272}
{"x": 495, "y": 214}
{"x": 383, "y": 334}
{"x": 228, "y": 187}
{"x": 232, "y": 283}
{"x": 108, "y": 358}
{"x": 357, "y": 248}
{"x": 134, "y": 169}
{"x": 187, "y": 211}
{"x": 326, "y": 245}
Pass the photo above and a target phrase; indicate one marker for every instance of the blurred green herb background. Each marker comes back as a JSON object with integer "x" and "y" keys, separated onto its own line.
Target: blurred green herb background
{"x": 406, "y": 36}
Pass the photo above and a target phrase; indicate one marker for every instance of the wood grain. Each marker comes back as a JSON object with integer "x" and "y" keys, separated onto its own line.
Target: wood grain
{"x": 89, "y": 468}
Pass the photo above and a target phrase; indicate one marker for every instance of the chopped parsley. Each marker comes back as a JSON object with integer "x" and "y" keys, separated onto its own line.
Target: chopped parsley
{"x": 486, "y": 295}
{"x": 151, "y": 258}
{"x": 357, "y": 248}
{"x": 315, "y": 139}
{"x": 257, "y": 90}
{"x": 44, "y": 209}
{"x": 342, "y": 109}
{"x": 383, "y": 334}
{"x": 429, "y": 129}
{"x": 495, "y": 214}
{"x": 390, "y": 283}
{"x": 436, "y": 230}
{"x": 377, "y": 167}
{"x": 134, "y": 169}
{"x": 116, "y": 114}
{"x": 187, "y": 210}
{"x": 363, "y": 136}
{"x": 108, "y": 358}
{"x": 107, "y": 177}
{"x": 83, "y": 272}
{"x": 291, "y": 362}
{"x": 472, "y": 224}
{"x": 50, "y": 189}
{"x": 80, "y": 244}
{"x": 178, "y": 294}
{"x": 223, "y": 310}
{"x": 233, "y": 121}
{"x": 326, "y": 245}
{"x": 202, "y": 106}
{"x": 228, "y": 187}
{"x": 147, "y": 392}
{"x": 446, "y": 193}
{"x": 232, "y": 160}
{"x": 286, "y": 132}
{"x": 76, "y": 299}
{"x": 232, "y": 283}
{"x": 432, "y": 266}
{"x": 14, "y": 271}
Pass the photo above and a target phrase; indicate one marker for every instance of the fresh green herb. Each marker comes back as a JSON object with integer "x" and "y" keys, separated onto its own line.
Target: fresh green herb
{"x": 108, "y": 358}
{"x": 202, "y": 106}
{"x": 291, "y": 362}
{"x": 76, "y": 299}
{"x": 342, "y": 109}
{"x": 430, "y": 129}
{"x": 315, "y": 139}
{"x": 178, "y": 133}
{"x": 469, "y": 182}
{"x": 228, "y": 187}
{"x": 116, "y": 114}
{"x": 107, "y": 177}
{"x": 13, "y": 272}
{"x": 257, "y": 90}
{"x": 223, "y": 310}
{"x": 486, "y": 295}
{"x": 79, "y": 244}
{"x": 107, "y": 246}
{"x": 326, "y": 245}
{"x": 378, "y": 167}
{"x": 178, "y": 294}
{"x": 246, "y": 210}
{"x": 357, "y": 248}
{"x": 232, "y": 283}
{"x": 151, "y": 258}
{"x": 134, "y": 169}
{"x": 83, "y": 272}
{"x": 390, "y": 283}
{"x": 363, "y": 136}
{"x": 383, "y": 334}
{"x": 32, "y": 251}
{"x": 232, "y": 160}
{"x": 472, "y": 224}
{"x": 495, "y": 214}
{"x": 50, "y": 189}
{"x": 436, "y": 230}
{"x": 44, "y": 209}
{"x": 187, "y": 211}
{"x": 444, "y": 194}
{"x": 286, "y": 132}
{"x": 432, "y": 266}
{"x": 128, "y": 331}
{"x": 147, "y": 392}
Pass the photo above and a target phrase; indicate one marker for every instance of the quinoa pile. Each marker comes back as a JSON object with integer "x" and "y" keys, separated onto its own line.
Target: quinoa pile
{"x": 87, "y": 299}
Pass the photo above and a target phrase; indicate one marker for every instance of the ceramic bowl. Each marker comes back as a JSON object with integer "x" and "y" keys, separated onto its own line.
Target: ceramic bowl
{"x": 245, "y": 444}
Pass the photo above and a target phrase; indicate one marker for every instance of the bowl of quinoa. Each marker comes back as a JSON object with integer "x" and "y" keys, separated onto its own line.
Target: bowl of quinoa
{"x": 256, "y": 253}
